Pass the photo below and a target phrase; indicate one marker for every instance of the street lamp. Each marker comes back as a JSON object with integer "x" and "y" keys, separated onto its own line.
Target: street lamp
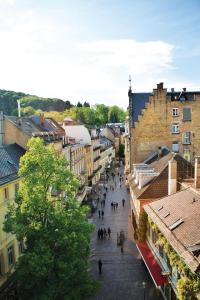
{"x": 144, "y": 286}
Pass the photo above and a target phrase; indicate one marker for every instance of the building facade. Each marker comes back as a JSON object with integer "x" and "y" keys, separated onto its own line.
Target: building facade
{"x": 10, "y": 248}
{"x": 164, "y": 119}
{"x": 20, "y": 130}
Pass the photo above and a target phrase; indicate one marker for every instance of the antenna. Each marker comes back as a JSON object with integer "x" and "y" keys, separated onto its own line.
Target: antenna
{"x": 19, "y": 108}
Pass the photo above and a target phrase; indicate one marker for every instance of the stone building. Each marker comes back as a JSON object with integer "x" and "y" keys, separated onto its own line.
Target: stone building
{"x": 164, "y": 118}
{"x": 20, "y": 129}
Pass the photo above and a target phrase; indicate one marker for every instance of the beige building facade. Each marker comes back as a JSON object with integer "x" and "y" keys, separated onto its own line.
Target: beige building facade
{"x": 164, "y": 119}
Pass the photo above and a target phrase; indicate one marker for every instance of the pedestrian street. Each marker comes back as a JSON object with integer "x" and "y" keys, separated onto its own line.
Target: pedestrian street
{"x": 123, "y": 274}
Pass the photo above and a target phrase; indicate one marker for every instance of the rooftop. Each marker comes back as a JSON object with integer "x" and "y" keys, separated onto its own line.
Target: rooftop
{"x": 9, "y": 162}
{"x": 79, "y": 132}
{"x": 177, "y": 216}
{"x": 35, "y": 126}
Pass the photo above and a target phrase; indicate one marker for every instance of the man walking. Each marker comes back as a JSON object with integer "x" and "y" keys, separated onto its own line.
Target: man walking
{"x": 109, "y": 232}
{"x": 123, "y": 202}
{"x": 102, "y": 214}
{"x": 99, "y": 214}
{"x": 100, "y": 266}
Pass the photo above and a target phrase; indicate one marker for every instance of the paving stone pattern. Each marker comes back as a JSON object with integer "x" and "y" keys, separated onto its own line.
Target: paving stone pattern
{"x": 122, "y": 273}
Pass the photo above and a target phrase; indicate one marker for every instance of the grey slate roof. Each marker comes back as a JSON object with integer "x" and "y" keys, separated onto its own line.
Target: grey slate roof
{"x": 33, "y": 127}
{"x": 9, "y": 162}
{"x": 138, "y": 101}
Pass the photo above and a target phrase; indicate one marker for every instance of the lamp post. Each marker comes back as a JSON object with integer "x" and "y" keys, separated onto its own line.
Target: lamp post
{"x": 144, "y": 287}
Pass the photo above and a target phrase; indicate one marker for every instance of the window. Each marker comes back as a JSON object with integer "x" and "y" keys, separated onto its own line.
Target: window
{"x": 175, "y": 128}
{"x": 175, "y": 147}
{"x": 186, "y": 114}
{"x": 174, "y": 112}
{"x": 6, "y": 193}
{"x": 186, "y": 154}
{"x": 10, "y": 256}
{"x": 187, "y": 138}
{"x": 16, "y": 188}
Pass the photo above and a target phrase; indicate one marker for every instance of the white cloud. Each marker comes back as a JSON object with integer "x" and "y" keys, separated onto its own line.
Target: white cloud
{"x": 136, "y": 57}
{"x": 38, "y": 55}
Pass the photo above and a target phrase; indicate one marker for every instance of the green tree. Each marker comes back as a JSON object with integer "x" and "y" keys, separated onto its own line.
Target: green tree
{"x": 79, "y": 104}
{"x": 27, "y": 111}
{"x": 55, "y": 231}
{"x": 116, "y": 114}
{"x": 102, "y": 113}
{"x": 86, "y": 104}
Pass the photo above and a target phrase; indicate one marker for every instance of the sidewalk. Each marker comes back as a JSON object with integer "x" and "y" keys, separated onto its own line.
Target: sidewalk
{"x": 122, "y": 273}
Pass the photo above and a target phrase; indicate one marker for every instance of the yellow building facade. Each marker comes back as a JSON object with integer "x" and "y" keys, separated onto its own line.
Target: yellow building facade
{"x": 10, "y": 248}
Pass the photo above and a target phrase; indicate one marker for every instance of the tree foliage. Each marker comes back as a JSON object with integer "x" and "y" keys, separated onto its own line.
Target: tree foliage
{"x": 8, "y": 102}
{"x": 142, "y": 227}
{"x": 55, "y": 231}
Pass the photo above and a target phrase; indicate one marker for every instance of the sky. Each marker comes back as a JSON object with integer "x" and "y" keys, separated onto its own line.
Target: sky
{"x": 85, "y": 50}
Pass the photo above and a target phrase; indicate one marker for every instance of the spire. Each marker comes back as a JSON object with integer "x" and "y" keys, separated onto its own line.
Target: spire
{"x": 130, "y": 79}
{"x": 130, "y": 87}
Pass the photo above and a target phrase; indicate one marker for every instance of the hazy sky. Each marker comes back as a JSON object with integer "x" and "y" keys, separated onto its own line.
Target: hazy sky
{"x": 85, "y": 49}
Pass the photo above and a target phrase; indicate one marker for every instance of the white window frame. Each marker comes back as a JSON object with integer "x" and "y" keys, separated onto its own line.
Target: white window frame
{"x": 175, "y": 128}
{"x": 175, "y": 112}
{"x": 187, "y": 138}
{"x": 177, "y": 150}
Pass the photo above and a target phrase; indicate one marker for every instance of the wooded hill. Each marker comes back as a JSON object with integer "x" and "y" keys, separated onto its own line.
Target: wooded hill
{"x": 8, "y": 102}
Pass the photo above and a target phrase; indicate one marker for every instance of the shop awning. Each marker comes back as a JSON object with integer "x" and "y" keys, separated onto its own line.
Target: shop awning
{"x": 152, "y": 264}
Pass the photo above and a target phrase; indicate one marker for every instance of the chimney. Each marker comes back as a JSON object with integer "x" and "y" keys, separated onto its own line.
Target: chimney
{"x": 19, "y": 108}
{"x": 197, "y": 172}
{"x": 160, "y": 86}
{"x": 172, "y": 176}
{"x": 159, "y": 152}
{"x": 42, "y": 119}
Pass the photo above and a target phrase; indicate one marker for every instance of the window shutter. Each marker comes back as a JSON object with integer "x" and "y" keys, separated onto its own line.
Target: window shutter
{"x": 186, "y": 114}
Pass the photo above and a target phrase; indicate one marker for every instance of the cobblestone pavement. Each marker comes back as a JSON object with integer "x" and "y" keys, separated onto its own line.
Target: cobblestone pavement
{"x": 122, "y": 273}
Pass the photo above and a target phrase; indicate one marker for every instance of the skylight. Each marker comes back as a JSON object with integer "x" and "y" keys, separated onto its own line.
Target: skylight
{"x": 166, "y": 214}
{"x": 161, "y": 207}
{"x": 176, "y": 224}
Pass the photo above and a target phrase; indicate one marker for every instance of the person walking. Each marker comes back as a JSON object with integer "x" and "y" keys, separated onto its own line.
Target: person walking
{"x": 109, "y": 232}
{"x": 116, "y": 204}
{"x": 123, "y": 202}
{"x": 101, "y": 234}
{"x": 99, "y": 214}
{"x": 102, "y": 214}
{"x": 100, "y": 266}
{"x": 111, "y": 205}
{"x": 104, "y": 233}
